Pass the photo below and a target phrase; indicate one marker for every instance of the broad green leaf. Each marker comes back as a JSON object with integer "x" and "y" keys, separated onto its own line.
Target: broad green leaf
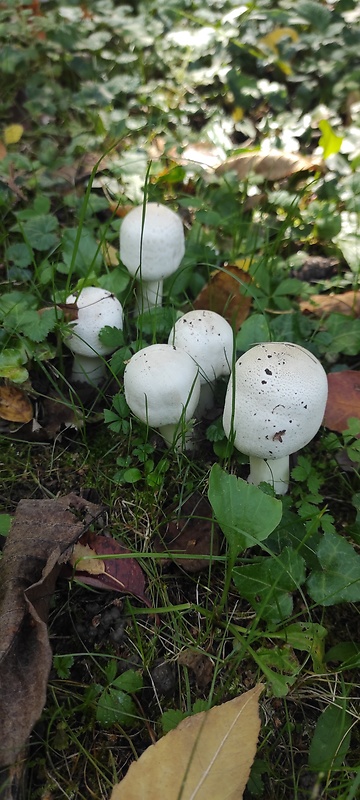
{"x": 20, "y": 254}
{"x": 171, "y": 718}
{"x": 40, "y": 232}
{"x": 329, "y": 141}
{"x": 85, "y": 256}
{"x": 306, "y": 636}
{"x": 129, "y": 681}
{"x": 115, "y": 707}
{"x": 267, "y": 583}
{"x": 111, "y": 336}
{"x": 348, "y": 653}
{"x": 245, "y": 514}
{"x": 340, "y": 579}
{"x": 255, "y": 329}
{"x": 331, "y": 739}
{"x": 314, "y": 13}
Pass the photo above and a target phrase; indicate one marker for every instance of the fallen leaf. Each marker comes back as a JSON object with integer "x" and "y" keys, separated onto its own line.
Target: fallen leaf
{"x": 201, "y": 665}
{"x": 83, "y": 560}
{"x": 191, "y": 533}
{"x": 204, "y": 154}
{"x": 15, "y": 405}
{"x": 320, "y": 305}
{"x": 13, "y": 134}
{"x": 3, "y": 151}
{"x": 274, "y": 166}
{"x": 119, "y": 573}
{"x": 206, "y": 755}
{"x": 41, "y": 533}
{"x": 343, "y": 399}
{"x": 226, "y": 294}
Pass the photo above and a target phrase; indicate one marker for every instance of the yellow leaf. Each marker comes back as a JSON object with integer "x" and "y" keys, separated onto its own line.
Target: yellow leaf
{"x": 238, "y": 114}
{"x": 84, "y": 560}
{"x": 207, "y": 757}
{"x": 13, "y": 134}
{"x": 275, "y": 36}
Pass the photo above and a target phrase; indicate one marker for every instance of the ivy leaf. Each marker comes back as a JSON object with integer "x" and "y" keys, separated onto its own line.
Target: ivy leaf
{"x": 267, "y": 583}
{"x": 340, "y": 579}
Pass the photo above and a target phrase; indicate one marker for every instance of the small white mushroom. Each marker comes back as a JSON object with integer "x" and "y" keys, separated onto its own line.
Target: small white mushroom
{"x": 152, "y": 245}
{"x": 208, "y": 338}
{"x": 96, "y": 308}
{"x": 162, "y": 388}
{"x": 274, "y": 406}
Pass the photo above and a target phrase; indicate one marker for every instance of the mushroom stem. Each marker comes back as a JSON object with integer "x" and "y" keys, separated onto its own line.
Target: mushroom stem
{"x": 206, "y": 399}
{"x": 88, "y": 369}
{"x": 269, "y": 470}
{"x": 149, "y": 294}
{"x": 179, "y": 436}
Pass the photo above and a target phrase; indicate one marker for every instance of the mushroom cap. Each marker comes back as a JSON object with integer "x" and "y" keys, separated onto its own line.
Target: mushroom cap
{"x": 161, "y": 384}
{"x": 97, "y": 308}
{"x": 280, "y": 398}
{"x": 208, "y": 339}
{"x": 163, "y": 241}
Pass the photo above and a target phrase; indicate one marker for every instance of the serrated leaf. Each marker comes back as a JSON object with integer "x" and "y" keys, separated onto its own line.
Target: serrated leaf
{"x": 40, "y": 232}
{"x": 115, "y": 707}
{"x": 340, "y": 579}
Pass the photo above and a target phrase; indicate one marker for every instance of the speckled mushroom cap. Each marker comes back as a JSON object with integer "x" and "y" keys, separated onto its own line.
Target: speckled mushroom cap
{"x": 161, "y": 383}
{"x": 280, "y": 398}
{"x": 163, "y": 241}
{"x": 208, "y": 338}
{"x": 97, "y": 308}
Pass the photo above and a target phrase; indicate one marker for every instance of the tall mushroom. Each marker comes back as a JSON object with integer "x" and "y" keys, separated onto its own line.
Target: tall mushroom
{"x": 208, "y": 338}
{"x": 96, "y": 308}
{"x": 152, "y": 245}
{"x": 274, "y": 405}
{"x": 162, "y": 388}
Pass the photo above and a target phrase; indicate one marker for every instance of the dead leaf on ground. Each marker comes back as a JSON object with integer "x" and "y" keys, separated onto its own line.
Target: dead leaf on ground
{"x": 203, "y": 154}
{"x": 191, "y": 533}
{"x": 200, "y": 664}
{"x": 41, "y": 533}
{"x": 15, "y": 405}
{"x": 3, "y": 150}
{"x": 204, "y": 754}
{"x": 320, "y": 305}
{"x": 99, "y": 561}
{"x": 274, "y": 166}
{"x": 343, "y": 399}
{"x": 226, "y": 293}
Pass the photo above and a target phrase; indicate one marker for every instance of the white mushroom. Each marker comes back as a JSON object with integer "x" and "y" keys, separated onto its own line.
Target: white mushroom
{"x": 274, "y": 405}
{"x": 152, "y": 245}
{"x": 96, "y": 308}
{"x": 162, "y": 388}
{"x": 208, "y": 339}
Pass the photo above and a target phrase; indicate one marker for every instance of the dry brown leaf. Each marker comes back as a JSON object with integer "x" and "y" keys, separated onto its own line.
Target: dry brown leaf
{"x": 204, "y": 154}
{"x": 3, "y": 150}
{"x": 274, "y": 165}
{"x": 226, "y": 294}
{"x": 343, "y": 399}
{"x": 191, "y": 533}
{"x": 320, "y": 305}
{"x": 204, "y": 754}
{"x": 41, "y": 533}
{"x": 200, "y": 664}
{"x": 15, "y": 405}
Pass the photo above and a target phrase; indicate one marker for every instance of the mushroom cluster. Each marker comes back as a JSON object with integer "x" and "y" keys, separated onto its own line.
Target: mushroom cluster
{"x": 274, "y": 405}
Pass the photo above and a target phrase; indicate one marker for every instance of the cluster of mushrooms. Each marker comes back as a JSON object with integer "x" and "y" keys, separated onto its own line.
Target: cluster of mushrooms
{"x": 277, "y": 391}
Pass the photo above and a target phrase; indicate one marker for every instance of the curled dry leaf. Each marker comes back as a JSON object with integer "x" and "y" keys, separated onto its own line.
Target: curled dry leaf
{"x": 15, "y": 406}
{"x": 343, "y": 399}
{"x": 41, "y": 533}
{"x": 274, "y": 166}
{"x": 320, "y": 305}
{"x": 204, "y": 754}
{"x": 226, "y": 293}
{"x": 200, "y": 664}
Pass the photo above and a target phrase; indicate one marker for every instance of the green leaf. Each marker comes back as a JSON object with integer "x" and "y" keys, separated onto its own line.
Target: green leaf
{"x": 171, "y": 718}
{"x": 40, "y": 232}
{"x": 329, "y": 141}
{"x": 87, "y": 256}
{"x": 63, "y": 665}
{"x": 129, "y": 681}
{"x": 21, "y": 254}
{"x": 132, "y": 475}
{"x": 245, "y": 514}
{"x": 331, "y": 739}
{"x": 314, "y": 13}
{"x": 267, "y": 583}
{"x": 306, "y": 636}
{"x": 255, "y": 329}
{"x": 348, "y": 653}
{"x": 340, "y": 579}
{"x": 115, "y": 707}
{"x": 5, "y": 524}
{"x": 111, "y": 336}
